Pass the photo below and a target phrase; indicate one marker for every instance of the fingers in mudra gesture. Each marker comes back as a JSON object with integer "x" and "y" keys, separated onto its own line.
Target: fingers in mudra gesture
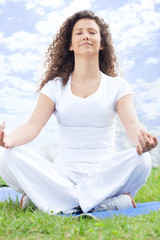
{"x": 146, "y": 142}
{"x": 3, "y": 140}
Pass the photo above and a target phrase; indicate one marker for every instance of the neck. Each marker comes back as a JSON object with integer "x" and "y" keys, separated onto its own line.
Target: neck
{"x": 86, "y": 69}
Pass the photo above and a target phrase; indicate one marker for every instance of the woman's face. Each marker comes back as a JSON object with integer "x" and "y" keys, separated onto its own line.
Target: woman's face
{"x": 86, "y": 39}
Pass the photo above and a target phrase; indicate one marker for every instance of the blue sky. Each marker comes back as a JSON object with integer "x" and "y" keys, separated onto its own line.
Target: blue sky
{"x": 27, "y": 27}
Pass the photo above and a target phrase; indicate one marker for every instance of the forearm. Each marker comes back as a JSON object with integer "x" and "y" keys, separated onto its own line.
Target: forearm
{"x": 25, "y": 133}
{"x": 28, "y": 131}
{"x": 138, "y": 136}
{"x": 132, "y": 131}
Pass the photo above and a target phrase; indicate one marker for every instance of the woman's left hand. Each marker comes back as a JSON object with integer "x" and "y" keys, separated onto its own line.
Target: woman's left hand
{"x": 146, "y": 142}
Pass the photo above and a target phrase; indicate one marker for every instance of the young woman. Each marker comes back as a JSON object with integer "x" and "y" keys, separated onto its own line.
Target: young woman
{"x": 82, "y": 89}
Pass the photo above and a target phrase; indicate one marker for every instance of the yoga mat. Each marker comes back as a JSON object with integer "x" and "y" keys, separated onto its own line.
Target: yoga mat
{"x": 142, "y": 208}
{"x": 7, "y": 192}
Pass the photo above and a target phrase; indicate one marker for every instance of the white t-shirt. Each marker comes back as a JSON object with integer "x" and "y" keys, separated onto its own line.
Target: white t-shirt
{"x": 89, "y": 123}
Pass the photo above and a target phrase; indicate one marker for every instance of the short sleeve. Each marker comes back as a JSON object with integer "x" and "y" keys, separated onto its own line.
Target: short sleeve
{"x": 51, "y": 89}
{"x": 123, "y": 88}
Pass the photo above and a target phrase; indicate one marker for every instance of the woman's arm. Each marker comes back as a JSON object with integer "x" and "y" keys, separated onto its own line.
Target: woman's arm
{"x": 135, "y": 131}
{"x": 29, "y": 130}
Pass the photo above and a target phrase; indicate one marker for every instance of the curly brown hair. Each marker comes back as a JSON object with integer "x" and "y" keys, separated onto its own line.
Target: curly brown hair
{"x": 60, "y": 60}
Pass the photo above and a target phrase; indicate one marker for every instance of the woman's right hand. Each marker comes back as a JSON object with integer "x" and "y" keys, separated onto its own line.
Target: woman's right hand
{"x": 3, "y": 140}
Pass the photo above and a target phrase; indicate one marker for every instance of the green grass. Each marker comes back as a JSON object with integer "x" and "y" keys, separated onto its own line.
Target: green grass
{"x": 2, "y": 183}
{"x": 17, "y": 224}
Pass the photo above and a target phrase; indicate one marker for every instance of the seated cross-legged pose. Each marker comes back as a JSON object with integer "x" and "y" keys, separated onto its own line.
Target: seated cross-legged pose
{"x": 81, "y": 87}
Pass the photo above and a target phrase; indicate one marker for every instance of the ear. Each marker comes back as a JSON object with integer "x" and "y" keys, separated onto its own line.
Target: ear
{"x": 101, "y": 47}
{"x": 71, "y": 48}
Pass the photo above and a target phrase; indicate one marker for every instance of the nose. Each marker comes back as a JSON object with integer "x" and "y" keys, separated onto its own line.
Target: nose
{"x": 85, "y": 36}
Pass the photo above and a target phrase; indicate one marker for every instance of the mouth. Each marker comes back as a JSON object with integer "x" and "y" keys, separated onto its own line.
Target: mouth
{"x": 83, "y": 44}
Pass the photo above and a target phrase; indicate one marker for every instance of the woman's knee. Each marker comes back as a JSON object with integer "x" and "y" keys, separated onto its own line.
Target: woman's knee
{"x": 7, "y": 156}
{"x": 145, "y": 163}
{"x": 3, "y": 157}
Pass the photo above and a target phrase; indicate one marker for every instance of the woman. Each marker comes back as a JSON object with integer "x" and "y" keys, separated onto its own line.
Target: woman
{"x": 81, "y": 87}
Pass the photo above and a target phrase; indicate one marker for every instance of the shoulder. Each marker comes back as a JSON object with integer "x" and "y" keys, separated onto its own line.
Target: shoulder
{"x": 116, "y": 87}
{"x": 52, "y": 85}
{"x": 114, "y": 81}
{"x": 52, "y": 88}
{"x": 117, "y": 84}
{"x": 54, "y": 82}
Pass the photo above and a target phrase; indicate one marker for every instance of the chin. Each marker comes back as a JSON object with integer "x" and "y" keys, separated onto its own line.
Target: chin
{"x": 88, "y": 53}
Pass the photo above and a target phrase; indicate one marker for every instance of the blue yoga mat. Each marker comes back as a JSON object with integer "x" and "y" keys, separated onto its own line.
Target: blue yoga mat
{"x": 7, "y": 193}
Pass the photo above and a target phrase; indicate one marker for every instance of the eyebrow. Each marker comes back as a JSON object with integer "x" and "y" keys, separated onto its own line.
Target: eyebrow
{"x": 80, "y": 29}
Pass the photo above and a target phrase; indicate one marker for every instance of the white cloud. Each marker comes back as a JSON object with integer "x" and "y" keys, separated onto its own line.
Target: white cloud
{"x": 10, "y": 18}
{"x": 152, "y": 60}
{"x": 26, "y": 86}
{"x": 14, "y": 100}
{"x": 17, "y": 101}
{"x": 18, "y": 63}
{"x": 50, "y": 25}
{"x": 1, "y": 11}
{"x": 150, "y": 110}
{"x": 40, "y": 11}
{"x": 24, "y": 41}
{"x": 1, "y": 36}
{"x": 33, "y": 4}
{"x": 133, "y": 24}
{"x": 147, "y": 98}
{"x": 127, "y": 64}
{"x": 5, "y": 1}
{"x": 77, "y": 5}
{"x": 23, "y": 63}
{"x": 4, "y": 69}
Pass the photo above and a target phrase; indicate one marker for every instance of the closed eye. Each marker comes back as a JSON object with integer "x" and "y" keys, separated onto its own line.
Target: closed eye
{"x": 79, "y": 33}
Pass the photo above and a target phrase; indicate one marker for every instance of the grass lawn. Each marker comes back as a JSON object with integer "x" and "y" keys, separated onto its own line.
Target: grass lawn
{"x": 17, "y": 224}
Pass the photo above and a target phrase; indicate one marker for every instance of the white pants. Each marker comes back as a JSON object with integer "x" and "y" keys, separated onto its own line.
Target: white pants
{"x": 61, "y": 186}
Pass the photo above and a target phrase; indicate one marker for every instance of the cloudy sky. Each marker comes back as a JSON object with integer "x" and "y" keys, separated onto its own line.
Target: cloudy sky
{"x": 27, "y": 28}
